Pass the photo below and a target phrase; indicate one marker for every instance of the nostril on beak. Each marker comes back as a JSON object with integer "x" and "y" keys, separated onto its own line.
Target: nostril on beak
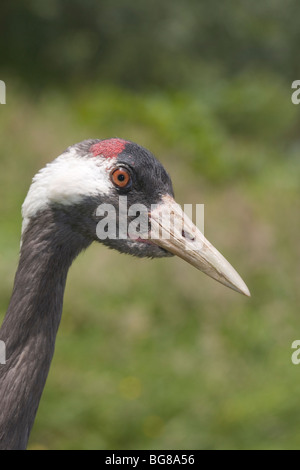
{"x": 187, "y": 235}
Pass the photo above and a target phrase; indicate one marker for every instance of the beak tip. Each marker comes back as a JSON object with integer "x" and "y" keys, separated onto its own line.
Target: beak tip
{"x": 246, "y": 292}
{"x": 242, "y": 289}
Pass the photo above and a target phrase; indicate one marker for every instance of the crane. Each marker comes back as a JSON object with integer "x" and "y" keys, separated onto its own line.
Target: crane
{"x": 61, "y": 217}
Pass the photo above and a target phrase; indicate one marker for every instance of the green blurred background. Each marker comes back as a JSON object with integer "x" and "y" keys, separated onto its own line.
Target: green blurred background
{"x": 153, "y": 354}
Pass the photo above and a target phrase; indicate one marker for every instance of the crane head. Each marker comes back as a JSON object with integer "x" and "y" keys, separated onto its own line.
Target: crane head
{"x": 116, "y": 192}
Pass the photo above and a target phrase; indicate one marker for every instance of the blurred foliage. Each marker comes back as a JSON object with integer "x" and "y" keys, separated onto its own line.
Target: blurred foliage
{"x": 154, "y": 355}
{"x": 147, "y": 44}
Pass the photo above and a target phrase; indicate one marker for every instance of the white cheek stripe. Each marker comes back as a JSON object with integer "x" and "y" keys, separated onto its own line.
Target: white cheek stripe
{"x": 66, "y": 180}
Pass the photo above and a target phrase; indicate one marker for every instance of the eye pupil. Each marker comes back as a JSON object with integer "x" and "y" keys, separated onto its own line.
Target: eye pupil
{"x": 121, "y": 177}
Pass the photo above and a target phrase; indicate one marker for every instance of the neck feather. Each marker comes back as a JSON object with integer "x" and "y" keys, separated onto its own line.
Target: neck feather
{"x": 32, "y": 320}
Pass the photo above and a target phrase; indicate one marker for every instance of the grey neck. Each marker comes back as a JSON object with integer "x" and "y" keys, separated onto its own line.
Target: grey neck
{"x": 31, "y": 322}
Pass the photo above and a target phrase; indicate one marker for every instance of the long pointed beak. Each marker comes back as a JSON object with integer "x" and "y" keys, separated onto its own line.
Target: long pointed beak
{"x": 172, "y": 230}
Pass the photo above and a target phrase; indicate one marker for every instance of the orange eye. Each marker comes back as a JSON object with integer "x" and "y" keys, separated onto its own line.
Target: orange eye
{"x": 121, "y": 177}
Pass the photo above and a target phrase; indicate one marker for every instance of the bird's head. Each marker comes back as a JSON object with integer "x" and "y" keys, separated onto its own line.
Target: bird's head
{"x": 116, "y": 192}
